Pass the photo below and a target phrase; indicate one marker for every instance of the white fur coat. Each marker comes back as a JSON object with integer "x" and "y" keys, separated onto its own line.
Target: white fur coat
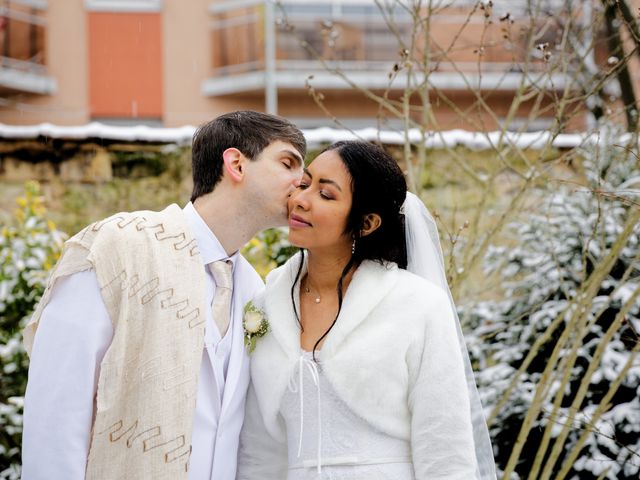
{"x": 392, "y": 356}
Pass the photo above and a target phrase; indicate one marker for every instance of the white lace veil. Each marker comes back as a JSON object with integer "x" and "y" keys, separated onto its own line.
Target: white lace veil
{"x": 424, "y": 255}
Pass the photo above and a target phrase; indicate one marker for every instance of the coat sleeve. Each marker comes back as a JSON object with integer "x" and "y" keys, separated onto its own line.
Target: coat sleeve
{"x": 441, "y": 432}
{"x": 260, "y": 457}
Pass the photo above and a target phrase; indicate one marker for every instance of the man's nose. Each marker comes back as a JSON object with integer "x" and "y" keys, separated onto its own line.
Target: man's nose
{"x": 294, "y": 184}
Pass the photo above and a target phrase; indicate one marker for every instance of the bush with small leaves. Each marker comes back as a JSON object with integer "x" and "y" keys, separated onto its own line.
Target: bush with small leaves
{"x": 559, "y": 348}
{"x": 28, "y": 250}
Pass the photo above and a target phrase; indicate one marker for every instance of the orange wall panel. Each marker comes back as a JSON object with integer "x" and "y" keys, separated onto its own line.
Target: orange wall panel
{"x": 125, "y": 65}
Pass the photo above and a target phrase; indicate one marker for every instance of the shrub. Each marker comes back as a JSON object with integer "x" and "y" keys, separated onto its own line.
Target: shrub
{"x": 268, "y": 250}
{"x": 28, "y": 250}
{"x": 564, "y": 334}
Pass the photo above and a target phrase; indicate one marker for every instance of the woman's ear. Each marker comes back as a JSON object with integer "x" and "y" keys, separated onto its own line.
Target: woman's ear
{"x": 234, "y": 164}
{"x": 370, "y": 223}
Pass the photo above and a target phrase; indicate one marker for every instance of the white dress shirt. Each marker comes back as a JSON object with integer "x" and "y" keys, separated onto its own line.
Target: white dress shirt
{"x": 74, "y": 333}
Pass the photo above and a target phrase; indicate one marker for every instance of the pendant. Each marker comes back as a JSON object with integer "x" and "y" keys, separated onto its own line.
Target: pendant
{"x": 308, "y": 290}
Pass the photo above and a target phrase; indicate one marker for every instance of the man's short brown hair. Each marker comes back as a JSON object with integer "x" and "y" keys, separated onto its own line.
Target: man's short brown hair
{"x": 248, "y": 131}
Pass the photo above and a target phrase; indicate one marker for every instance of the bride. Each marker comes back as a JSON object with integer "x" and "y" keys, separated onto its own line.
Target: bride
{"x": 363, "y": 373}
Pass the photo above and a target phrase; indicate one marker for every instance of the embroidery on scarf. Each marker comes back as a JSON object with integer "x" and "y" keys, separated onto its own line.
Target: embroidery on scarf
{"x": 161, "y": 234}
{"x": 152, "y": 290}
{"x": 151, "y": 439}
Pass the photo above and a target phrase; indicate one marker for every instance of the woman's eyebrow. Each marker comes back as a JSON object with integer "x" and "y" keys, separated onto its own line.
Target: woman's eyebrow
{"x": 322, "y": 180}
{"x": 326, "y": 180}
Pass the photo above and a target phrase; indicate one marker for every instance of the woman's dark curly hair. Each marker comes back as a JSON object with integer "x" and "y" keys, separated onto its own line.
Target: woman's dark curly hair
{"x": 377, "y": 186}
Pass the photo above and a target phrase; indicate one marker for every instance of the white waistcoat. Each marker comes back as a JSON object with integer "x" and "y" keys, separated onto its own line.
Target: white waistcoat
{"x": 152, "y": 282}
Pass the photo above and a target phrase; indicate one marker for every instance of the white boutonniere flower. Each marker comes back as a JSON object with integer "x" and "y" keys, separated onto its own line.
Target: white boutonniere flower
{"x": 255, "y": 325}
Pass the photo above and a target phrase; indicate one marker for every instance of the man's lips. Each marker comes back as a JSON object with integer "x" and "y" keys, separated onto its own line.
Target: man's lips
{"x": 296, "y": 221}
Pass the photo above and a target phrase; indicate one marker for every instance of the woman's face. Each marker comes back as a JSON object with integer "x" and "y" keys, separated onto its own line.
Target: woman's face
{"x": 320, "y": 205}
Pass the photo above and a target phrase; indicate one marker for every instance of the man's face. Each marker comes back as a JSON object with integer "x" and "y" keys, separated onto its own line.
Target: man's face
{"x": 271, "y": 178}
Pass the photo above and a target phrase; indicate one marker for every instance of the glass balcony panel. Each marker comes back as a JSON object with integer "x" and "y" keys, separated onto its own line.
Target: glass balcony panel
{"x": 23, "y": 48}
{"x": 22, "y": 37}
{"x": 238, "y": 40}
{"x": 354, "y": 36}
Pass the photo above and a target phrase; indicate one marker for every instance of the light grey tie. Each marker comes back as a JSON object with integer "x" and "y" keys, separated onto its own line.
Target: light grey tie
{"x": 221, "y": 305}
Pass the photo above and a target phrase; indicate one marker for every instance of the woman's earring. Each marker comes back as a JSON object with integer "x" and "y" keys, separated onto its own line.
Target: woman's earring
{"x": 353, "y": 247}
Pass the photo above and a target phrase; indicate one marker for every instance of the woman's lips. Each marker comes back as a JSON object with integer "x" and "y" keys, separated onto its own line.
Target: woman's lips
{"x": 296, "y": 221}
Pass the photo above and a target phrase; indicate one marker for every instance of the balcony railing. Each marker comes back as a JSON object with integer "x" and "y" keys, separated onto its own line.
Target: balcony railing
{"x": 358, "y": 40}
{"x": 255, "y": 43}
{"x": 22, "y": 47}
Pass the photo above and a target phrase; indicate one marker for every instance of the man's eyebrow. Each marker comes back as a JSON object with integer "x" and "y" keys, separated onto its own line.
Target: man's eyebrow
{"x": 322, "y": 180}
{"x": 294, "y": 155}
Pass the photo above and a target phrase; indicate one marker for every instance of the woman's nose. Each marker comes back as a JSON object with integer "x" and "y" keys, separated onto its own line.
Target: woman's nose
{"x": 298, "y": 199}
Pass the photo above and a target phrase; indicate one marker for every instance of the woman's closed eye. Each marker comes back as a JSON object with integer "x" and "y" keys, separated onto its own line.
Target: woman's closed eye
{"x": 326, "y": 195}
{"x": 304, "y": 183}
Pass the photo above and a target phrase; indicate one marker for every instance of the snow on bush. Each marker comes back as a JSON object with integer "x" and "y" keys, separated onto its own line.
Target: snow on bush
{"x": 28, "y": 250}
{"x": 547, "y": 271}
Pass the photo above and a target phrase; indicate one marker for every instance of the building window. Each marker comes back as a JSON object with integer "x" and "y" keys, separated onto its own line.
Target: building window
{"x": 125, "y": 64}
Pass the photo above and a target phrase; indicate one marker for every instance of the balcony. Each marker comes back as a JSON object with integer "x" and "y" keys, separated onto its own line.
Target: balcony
{"x": 22, "y": 48}
{"x": 258, "y": 46}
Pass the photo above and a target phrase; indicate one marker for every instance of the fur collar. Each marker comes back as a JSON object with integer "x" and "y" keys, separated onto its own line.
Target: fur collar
{"x": 371, "y": 281}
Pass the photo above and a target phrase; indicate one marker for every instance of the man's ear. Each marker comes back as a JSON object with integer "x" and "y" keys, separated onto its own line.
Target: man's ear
{"x": 234, "y": 164}
{"x": 370, "y": 223}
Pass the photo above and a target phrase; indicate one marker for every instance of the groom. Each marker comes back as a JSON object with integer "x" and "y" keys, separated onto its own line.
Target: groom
{"x": 138, "y": 368}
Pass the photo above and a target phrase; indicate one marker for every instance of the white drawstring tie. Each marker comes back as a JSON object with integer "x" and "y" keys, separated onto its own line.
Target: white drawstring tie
{"x": 293, "y": 388}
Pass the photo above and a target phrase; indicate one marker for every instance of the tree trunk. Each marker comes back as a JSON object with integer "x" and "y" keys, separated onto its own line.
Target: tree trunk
{"x": 616, "y": 49}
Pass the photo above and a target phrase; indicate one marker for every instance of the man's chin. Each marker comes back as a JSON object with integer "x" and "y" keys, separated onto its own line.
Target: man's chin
{"x": 281, "y": 220}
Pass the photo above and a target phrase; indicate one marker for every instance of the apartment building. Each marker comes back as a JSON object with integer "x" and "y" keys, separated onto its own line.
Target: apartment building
{"x": 176, "y": 62}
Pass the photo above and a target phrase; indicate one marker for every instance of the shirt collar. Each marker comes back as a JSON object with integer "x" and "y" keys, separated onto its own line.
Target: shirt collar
{"x": 210, "y": 247}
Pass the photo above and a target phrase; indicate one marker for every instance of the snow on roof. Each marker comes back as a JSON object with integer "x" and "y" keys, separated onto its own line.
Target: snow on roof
{"x": 141, "y": 133}
{"x": 315, "y": 137}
